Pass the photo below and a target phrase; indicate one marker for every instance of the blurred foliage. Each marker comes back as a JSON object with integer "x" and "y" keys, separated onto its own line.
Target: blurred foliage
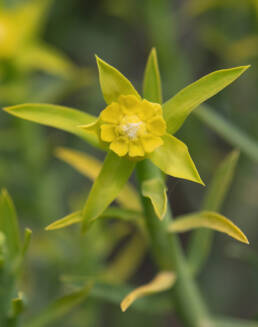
{"x": 47, "y": 55}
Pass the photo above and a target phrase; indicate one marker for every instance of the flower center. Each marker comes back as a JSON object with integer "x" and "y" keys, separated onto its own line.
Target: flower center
{"x": 131, "y": 126}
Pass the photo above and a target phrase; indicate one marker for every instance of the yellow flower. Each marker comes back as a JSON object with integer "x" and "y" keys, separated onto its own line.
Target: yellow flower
{"x": 132, "y": 126}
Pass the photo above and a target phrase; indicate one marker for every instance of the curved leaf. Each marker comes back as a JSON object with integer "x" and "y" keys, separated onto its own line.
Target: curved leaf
{"x": 112, "y": 213}
{"x": 162, "y": 282}
{"x": 177, "y": 109}
{"x": 174, "y": 159}
{"x": 114, "y": 174}
{"x": 156, "y": 191}
{"x": 113, "y": 83}
{"x": 152, "y": 84}
{"x": 60, "y": 117}
{"x": 90, "y": 167}
{"x": 207, "y": 219}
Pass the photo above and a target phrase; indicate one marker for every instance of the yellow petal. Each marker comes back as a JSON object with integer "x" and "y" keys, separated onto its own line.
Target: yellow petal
{"x": 150, "y": 143}
{"x": 107, "y": 132}
{"x": 112, "y": 113}
{"x": 136, "y": 149}
{"x": 157, "y": 126}
{"x": 162, "y": 282}
{"x": 147, "y": 110}
{"x": 120, "y": 146}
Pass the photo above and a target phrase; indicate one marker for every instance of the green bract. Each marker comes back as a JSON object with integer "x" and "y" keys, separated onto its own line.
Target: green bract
{"x": 172, "y": 156}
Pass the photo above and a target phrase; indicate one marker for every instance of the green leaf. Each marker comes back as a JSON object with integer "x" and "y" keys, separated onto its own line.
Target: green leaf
{"x": 152, "y": 84}
{"x": 109, "y": 213}
{"x": 114, "y": 174}
{"x": 60, "y": 117}
{"x": 207, "y": 219}
{"x": 59, "y": 308}
{"x": 113, "y": 83}
{"x": 174, "y": 159}
{"x": 156, "y": 191}
{"x": 90, "y": 167}
{"x": 72, "y": 218}
{"x": 9, "y": 224}
{"x": 162, "y": 282}
{"x": 201, "y": 240}
{"x": 177, "y": 109}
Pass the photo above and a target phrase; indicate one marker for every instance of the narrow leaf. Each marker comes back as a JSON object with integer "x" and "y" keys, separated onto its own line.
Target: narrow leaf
{"x": 113, "y": 83}
{"x": 156, "y": 191}
{"x": 73, "y": 218}
{"x": 207, "y": 219}
{"x": 60, "y": 117}
{"x": 9, "y": 224}
{"x": 90, "y": 167}
{"x": 59, "y": 308}
{"x": 174, "y": 159}
{"x": 112, "y": 178}
{"x": 177, "y": 109}
{"x": 162, "y": 282}
{"x": 152, "y": 83}
{"x": 109, "y": 213}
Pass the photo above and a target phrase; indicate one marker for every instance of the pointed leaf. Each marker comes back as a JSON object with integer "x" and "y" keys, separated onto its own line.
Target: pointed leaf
{"x": 73, "y": 218}
{"x": 156, "y": 191}
{"x": 162, "y": 282}
{"x": 9, "y": 224}
{"x": 59, "y": 308}
{"x": 174, "y": 159}
{"x": 60, "y": 117}
{"x": 207, "y": 219}
{"x": 112, "y": 178}
{"x": 90, "y": 167}
{"x": 113, "y": 83}
{"x": 177, "y": 109}
{"x": 109, "y": 213}
{"x": 152, "y": 83}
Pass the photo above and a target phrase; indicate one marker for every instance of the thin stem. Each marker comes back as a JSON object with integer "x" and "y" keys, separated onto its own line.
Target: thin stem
{"x": 168, "y": 254}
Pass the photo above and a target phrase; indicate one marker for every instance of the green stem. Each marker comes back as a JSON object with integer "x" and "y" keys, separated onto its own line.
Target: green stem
{"x": 168, "y": 255}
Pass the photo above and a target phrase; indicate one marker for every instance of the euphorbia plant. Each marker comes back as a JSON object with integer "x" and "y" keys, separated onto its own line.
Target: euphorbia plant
{"x": 138, "y": 132}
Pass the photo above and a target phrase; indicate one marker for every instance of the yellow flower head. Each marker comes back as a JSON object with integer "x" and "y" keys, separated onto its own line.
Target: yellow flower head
{"x": 132, "y": 126}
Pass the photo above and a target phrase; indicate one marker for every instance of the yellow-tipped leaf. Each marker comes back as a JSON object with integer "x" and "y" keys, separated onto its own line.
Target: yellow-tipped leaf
{"x": 207, "y": 219}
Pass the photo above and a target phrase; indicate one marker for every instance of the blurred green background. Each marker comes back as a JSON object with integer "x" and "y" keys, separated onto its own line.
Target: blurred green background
{"x": 192, "y": 38}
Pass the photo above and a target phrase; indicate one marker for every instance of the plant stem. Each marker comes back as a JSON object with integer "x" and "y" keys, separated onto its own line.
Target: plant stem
{"x": 168, "y": 255}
